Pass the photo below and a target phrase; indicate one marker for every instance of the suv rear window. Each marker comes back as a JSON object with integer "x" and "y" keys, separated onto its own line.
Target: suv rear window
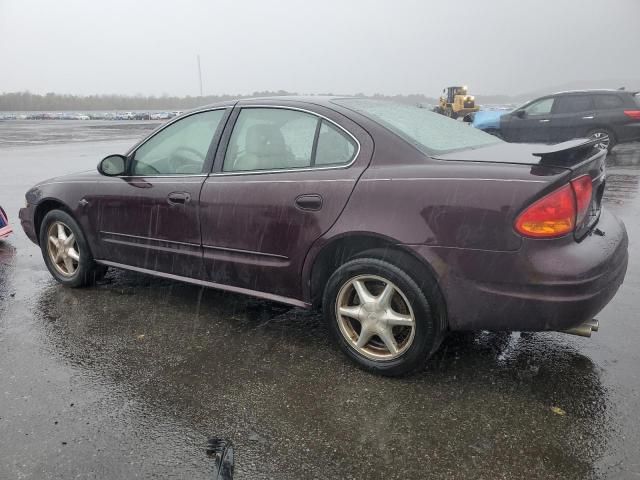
{"x": 608, "y": 102}
{"x": 429, "y": 132}
{"x": 574, "y": 104}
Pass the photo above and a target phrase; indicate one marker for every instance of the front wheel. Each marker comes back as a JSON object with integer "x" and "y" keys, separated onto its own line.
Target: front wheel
{"x": 380, "y": 318}
{"x": 66, "y": 252}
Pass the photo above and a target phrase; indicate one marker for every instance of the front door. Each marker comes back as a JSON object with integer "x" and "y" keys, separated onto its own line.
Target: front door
{"x": 531, "y": 123}
{"x": 284, "y": 179}
{"x": 149, "y": 218}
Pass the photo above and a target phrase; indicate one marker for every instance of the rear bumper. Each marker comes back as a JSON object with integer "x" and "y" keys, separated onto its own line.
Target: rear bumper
{"x": 26, "y": 221}
{"x": 5, "y": 228}
{"x": 546, "y": 285}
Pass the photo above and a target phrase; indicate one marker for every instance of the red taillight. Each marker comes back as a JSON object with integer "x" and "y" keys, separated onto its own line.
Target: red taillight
{"x": 583, "y": 189}
{"x": 635, "y": 114}
{"x": 559, "y": 212}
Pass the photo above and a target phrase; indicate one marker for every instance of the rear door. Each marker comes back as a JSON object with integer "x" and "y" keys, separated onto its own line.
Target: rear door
{"x": 573, "y": 116}
{"x": 531, "y": 123}
{"x": 281, "y": 182}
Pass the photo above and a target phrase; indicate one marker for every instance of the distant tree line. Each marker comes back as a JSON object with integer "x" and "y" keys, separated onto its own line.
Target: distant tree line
{"x": 27, "y": 101}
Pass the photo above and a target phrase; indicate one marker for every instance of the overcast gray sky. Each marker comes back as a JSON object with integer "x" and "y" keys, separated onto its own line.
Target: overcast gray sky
{"x": 347, "y": 46}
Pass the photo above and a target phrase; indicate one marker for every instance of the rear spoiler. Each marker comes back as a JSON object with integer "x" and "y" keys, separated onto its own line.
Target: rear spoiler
{"x": 567, "y": 153}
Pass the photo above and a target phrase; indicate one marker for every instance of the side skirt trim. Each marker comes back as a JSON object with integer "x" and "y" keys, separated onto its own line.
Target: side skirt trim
{"x": 203, "y": 283}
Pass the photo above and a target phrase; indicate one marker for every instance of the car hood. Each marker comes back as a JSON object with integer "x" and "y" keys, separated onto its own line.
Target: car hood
{"x": 520, "y": 153}
{"x": 86, "y": 176}
{"x": 487, "y": 119}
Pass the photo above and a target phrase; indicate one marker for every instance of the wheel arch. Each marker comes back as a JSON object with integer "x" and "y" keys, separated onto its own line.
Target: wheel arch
{"x": 44, "y": 207}
{"x": 347, "y": 247}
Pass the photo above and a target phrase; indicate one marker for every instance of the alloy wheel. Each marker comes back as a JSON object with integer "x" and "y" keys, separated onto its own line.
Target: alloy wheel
{"x": 602, "y": 138}
{"x": 375, "y": 317}
{"x": 62, "y": 248}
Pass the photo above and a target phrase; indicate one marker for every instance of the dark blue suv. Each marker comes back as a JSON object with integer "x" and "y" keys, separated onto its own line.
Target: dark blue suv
{"x": 612, "y": 116}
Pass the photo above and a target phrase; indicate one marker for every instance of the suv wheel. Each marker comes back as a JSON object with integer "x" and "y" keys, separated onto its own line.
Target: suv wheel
{"x": 66, "y": 252}
{"x": 380, "y": 318}
{"x": 605, "y": 138}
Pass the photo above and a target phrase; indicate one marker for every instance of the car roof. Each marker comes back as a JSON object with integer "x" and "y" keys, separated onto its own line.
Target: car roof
{"x": 324, "y": 100}
{"x": 593, "y": 90}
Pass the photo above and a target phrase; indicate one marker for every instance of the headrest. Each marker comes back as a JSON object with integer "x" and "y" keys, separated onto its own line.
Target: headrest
{"x": 265, "y": 139}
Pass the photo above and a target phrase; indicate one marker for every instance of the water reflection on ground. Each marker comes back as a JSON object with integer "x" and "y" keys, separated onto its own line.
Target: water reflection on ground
{"x": 267, "y": 377}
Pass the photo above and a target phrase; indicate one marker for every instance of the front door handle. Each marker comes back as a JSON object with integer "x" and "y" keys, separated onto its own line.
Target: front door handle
{"x": 588, "y": 117}
{"x": 311, "y": 202}
{"x": 178, "y": 198}
{"x": 545, "y": 120}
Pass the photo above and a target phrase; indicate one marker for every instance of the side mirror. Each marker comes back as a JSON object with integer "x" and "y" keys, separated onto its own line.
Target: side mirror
{"x": 520, "y": 113}
{"x": 113, "y": 165}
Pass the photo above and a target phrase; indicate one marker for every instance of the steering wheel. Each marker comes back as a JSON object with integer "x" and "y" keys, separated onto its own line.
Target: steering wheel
{"x": 141, "y": 168}
{"x": 186, "y": 158}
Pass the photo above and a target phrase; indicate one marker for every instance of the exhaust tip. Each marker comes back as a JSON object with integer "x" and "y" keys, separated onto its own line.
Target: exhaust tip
{"x": 584, "y": 329}
{"x": 595, "y": 324}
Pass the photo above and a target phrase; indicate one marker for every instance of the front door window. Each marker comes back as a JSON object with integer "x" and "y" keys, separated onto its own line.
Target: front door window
{"x": 179, "y": 149}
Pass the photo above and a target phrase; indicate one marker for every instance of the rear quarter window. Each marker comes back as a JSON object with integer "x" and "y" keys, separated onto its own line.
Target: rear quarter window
{"x": 637, "y": 97}
{"x": 608, "y": 102}
{"x": 429, "y": 132}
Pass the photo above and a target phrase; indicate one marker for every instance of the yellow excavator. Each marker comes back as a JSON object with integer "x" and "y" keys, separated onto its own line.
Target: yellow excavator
{"x": 456, "y": 102}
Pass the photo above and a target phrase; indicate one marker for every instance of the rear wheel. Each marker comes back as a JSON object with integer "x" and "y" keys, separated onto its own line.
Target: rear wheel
{"x": 66, "y": 252}
{"x": 605, "y": 138}
{"x": 380, "y": 318}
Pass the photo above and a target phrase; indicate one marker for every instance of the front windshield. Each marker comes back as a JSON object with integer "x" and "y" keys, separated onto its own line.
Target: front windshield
{"x": 429, "y": 132}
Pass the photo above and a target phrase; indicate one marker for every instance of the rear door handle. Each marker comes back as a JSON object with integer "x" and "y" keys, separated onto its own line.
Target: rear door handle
{"x": 311, "y": 202}
{"x": 178, "y": 198}
{"x": 588, "y": 117}
{"x": 544, "y": 120}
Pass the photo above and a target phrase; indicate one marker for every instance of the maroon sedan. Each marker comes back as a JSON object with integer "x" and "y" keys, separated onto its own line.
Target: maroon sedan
{"x": 400, "y": 223}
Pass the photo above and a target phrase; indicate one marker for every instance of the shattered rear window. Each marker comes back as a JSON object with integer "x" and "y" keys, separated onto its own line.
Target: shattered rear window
{"x": 429, "y": 132}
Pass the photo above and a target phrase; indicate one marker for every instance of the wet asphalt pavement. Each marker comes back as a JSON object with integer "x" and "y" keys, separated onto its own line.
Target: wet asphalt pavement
{"x": 128, "y": 379}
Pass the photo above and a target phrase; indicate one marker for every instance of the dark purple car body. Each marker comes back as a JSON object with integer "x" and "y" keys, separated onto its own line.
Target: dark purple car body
{"x": 280, "y": 234}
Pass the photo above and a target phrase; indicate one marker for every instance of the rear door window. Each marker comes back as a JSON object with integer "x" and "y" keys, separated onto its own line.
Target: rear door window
{"x": 608, "y": 102}
{"x": 283, "y": 139}
{"x": 271, "y": 139}
{"x": 334, "y": 146}
{"x": 574, "y": 104}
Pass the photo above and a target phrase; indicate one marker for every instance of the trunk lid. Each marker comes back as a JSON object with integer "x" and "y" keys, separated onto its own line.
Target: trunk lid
{"x": 579, "y": 157}
{"x": 563, "y": 155}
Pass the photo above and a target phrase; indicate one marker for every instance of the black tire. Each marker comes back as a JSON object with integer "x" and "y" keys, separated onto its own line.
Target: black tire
{"x": 87, "y": 271}
{"x": 612, "y": 138}
{"x": 429, "y": 328}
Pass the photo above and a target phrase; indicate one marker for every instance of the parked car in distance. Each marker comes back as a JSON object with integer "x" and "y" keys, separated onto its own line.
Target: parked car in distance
{"x": 440, "y": 227}
{"x": 5, "y": 228}
{"x": 160, "y": 116}
{"x": 610, "y": 116}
